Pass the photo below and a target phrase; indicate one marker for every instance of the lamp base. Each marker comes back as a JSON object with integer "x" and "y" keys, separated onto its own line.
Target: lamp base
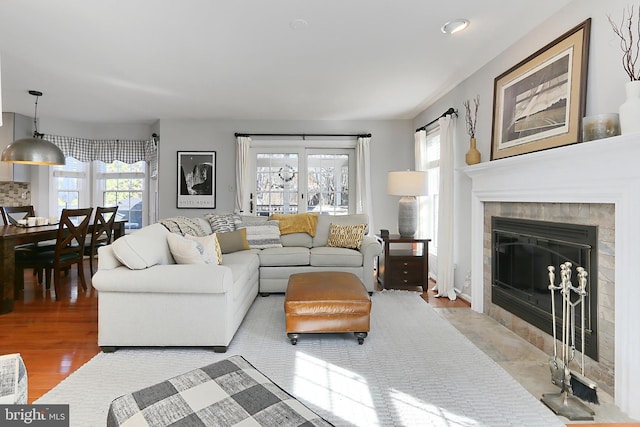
{"x": 407, "y": 216}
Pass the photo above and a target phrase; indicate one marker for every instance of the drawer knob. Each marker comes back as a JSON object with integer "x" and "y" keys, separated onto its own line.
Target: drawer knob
{"x": 405, "y": 272}
{"x": 405, "y": 263}
{"x": 405, "y": 280}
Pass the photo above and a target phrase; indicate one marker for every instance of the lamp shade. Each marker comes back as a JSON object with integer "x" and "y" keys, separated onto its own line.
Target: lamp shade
{"x": 407, "y": 183}
{"x": 33, "y": 151}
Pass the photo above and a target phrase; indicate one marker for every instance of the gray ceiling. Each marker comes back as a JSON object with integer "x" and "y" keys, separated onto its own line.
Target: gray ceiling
{"x": 143, "y": 60}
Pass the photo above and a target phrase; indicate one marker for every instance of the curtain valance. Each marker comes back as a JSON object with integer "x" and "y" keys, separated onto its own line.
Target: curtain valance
{"x": 125, "y": 150}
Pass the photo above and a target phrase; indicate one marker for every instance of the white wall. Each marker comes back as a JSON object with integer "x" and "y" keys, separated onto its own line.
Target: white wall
{"x": 605, "y": 92}
{"x": 391, "y": 149}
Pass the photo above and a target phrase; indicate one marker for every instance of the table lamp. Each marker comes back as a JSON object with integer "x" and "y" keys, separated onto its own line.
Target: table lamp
{"x": 407, "y": 184}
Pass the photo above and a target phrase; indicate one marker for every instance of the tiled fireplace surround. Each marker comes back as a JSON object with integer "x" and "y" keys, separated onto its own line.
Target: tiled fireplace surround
{"x": 596, "y": 182}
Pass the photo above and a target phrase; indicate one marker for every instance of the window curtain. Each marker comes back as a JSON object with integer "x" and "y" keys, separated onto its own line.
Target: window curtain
{"x": 445, "y": 282}
{"x": 420, "y": 138}
{"x": 363, "y": 180}
{"x": 108, "y": 150}
{"x": 242, "y": 174}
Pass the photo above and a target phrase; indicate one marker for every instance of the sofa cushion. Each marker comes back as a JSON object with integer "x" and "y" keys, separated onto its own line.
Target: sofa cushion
{"x": 284, "y": 256}
{"x": 346, "y": 236}
{"x": 190, "y": 251}
{"x": 221, "y": 223}
{"x": 325, "y": 256}
{"x": 262, "y": 236}
{"x": 297, "y": 239}
{"x": 297, "y": 223}
{"x": 144, "y": 248}
{"x": 324, "y": 221}
{"x": 233, "y": 241}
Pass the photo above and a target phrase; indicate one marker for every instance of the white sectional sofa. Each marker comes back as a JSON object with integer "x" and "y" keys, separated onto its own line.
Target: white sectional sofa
{"x": 146, "y": 299}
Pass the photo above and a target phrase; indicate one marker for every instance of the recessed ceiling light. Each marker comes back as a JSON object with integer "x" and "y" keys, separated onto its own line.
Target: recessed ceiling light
{"x": 455, "y": 26}
{"x": 298, "y": 24}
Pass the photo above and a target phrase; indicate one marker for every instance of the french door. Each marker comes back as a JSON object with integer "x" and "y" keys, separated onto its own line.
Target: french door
{"x": 300, "y": 179}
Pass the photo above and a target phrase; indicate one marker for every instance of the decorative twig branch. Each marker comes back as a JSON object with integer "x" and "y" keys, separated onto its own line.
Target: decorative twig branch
{"x": 471, "y": 119}
{"x": 630, "y": 47}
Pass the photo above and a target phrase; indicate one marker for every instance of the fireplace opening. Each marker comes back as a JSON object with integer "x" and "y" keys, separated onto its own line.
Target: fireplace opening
{"x": 522, "y": 250}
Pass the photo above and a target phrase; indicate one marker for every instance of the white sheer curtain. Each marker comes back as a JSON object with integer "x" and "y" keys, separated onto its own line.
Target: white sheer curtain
{"x": 420, "y": 138}
{"x": 242, "y": 174}
{"x": 363, "y": 180}
{"x": 445, "y": 282}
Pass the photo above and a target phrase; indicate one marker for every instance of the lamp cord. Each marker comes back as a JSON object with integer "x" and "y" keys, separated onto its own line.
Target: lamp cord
{"x": 36, "y": 134}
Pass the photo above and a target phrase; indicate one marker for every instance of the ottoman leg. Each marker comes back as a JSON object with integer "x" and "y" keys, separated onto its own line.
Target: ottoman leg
{"x": 293, "y": 338}
{"x": 361, "y": 336}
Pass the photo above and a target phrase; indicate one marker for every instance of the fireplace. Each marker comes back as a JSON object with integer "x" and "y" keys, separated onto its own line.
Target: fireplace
{"x": 522, "y": 249}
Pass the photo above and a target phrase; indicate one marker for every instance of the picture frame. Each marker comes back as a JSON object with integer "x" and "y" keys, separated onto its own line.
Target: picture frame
{"x": 539, "y": 103}
{"x": 196, "y": 180}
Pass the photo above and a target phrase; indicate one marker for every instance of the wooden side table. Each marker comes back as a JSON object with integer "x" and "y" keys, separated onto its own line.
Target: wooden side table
{"x": 403, "y": 265}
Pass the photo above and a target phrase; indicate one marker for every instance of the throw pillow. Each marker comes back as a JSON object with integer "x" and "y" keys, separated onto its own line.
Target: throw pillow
{"x": 210, "y": 244}
{"x": 346, "y": 236}
{"x": 266, "y": 235}
{"x": 143, "y": 248}
{"x": 221, "y": 223}
{"x": 188, "y": 251}
{"x": 297, "y": 223}
{"x": 233, "y": 241}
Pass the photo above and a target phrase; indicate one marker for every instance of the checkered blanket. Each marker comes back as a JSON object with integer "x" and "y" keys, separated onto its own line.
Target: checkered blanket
{"x": 227, "y": 393}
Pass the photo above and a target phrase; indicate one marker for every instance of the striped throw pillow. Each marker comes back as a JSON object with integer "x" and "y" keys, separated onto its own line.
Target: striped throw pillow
{"x": 263, "y": 236}
{"x": 346, "y": 236}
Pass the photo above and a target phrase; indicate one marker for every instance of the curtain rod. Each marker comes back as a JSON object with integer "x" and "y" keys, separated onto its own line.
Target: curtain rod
{"x": 304, "y": 135}
{"x": 450, "y": 111}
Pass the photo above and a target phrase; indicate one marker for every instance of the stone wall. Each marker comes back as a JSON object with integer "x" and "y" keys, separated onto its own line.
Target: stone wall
{"x": 600, "y": 214}
{"x": 11, "y": 193}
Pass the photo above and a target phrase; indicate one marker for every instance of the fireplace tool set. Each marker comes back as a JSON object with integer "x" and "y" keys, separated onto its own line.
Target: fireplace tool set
{"x": 573, "y": 384}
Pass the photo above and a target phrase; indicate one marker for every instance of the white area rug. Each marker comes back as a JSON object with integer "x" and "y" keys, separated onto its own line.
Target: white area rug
{"x": 414, "y": 369}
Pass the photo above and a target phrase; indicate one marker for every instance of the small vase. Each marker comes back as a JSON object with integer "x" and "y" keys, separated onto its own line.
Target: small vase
{"x": 473, "y": 155}
{"x": 630, "y": 109}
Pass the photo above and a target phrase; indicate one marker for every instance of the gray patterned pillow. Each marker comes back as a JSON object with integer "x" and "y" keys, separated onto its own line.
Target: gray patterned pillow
{"x": 221, "y": 223}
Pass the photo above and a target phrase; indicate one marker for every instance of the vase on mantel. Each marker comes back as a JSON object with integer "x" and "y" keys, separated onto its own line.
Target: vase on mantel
{"x": 630, "y": 109}
{"x": 473, "y": 155}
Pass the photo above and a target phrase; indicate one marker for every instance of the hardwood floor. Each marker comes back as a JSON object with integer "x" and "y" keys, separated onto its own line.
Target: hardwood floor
{"x": 54, "y": 337}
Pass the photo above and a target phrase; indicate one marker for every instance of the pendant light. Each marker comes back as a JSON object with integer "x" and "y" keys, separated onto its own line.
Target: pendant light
{"x": 36, "y": 150}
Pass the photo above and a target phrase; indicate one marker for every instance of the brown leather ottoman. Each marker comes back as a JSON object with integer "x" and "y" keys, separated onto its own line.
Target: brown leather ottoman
{"x": 326, "y": 302}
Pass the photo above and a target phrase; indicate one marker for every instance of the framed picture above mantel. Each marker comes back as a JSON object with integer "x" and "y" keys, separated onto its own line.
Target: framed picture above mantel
{"x": 539, "y": 103}
{"x": 196, "y": 179}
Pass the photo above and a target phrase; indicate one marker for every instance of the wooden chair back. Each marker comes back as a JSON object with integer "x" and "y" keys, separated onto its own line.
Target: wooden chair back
{"x": 72, "y": 234}
{"x": 102, "y": 232}
{"x": 8, "y": 211}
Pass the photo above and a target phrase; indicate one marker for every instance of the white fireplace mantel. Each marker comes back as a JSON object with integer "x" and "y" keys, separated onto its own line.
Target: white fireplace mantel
{"x": 602, "y": 171}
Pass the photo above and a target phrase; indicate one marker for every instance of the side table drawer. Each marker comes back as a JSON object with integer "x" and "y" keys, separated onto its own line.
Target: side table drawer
{"x": 407, "y": 271}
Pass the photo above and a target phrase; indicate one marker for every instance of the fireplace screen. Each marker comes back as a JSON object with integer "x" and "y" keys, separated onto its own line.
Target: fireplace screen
{"x": 522, "y": 251}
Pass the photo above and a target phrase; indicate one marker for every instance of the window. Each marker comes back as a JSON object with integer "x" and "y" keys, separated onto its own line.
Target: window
{"x": 429, "y": 203}
{"x": 80, "y": 184}
{"x": 70, "y": 186}
{"x": 120, "y": 184}
{"x": 286, "y": 175}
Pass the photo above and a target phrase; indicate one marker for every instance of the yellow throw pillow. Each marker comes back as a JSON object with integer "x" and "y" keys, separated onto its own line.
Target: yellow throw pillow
{"x": 346, "y": 236}
{"x": 297, "y": 223}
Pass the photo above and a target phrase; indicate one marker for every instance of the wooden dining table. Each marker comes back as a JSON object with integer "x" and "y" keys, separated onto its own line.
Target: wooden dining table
{"x": 11, "y": 236}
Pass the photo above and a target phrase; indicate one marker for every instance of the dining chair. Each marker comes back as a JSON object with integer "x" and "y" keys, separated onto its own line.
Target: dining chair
{"x": 10, "y": 219}
{"x": 69, "y": 250}
{"x": 102, "y": 232}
